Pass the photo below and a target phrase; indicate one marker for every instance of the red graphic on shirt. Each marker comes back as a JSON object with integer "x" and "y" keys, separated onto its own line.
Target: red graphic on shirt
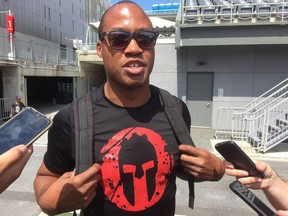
{"x": 135, "y": 168}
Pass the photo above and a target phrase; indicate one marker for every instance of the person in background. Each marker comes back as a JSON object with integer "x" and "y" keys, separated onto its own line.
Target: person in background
{"x": 274, "y": 187}
{"x": 12, "y": 164}
{"x": 16, "y": 107}
{"x": 136, "y": 154}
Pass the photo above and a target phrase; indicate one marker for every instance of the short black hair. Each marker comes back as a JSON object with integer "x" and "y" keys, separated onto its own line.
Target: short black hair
{"x": 100, "y": 28}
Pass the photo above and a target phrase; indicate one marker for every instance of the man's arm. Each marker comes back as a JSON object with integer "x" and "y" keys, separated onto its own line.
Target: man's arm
{"x": 12, "y": 163}
{"x": 57, "y": 194}
{"x": 201, "y": 164}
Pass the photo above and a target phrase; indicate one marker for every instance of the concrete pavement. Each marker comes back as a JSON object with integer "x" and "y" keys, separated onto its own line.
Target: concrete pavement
{"x": 212, "y": 198}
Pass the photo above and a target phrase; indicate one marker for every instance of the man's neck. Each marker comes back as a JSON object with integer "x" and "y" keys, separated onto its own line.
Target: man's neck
{"x": 128, "y": 97}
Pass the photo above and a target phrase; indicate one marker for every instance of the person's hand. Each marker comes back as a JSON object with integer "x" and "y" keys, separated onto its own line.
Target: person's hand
{"x": 282, "y": 213}
{"x": 12, "y": 163}
{"x": 70, "y": 192}
{"x": 249, "y": 181}
{"x": 201, "y": 164}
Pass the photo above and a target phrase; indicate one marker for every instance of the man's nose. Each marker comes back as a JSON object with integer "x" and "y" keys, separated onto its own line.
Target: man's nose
{"x": 133, "y": 47}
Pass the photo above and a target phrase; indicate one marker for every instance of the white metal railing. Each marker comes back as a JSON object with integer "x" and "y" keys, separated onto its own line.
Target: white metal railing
{"x": 255, "y": 121}
{"x": 233, "y": 11}
{"x": 268, "y": 96}
{"x": 5, "y": 104}
{"x": 31, "y": 51}
{"x": 273, "y": 128}
{"x": 226, "y": 122}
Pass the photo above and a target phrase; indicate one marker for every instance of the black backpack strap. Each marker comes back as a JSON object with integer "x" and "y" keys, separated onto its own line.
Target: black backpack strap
{"x": 83, "y": 120}
{"x": 180, "y": 129}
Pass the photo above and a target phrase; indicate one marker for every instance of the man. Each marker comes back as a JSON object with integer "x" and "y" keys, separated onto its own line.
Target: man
{"x": 274, "y": 187}
{"x": 17, "y": 106}
{"x": 136, "y": 153}
{"x": 12, "y": 163}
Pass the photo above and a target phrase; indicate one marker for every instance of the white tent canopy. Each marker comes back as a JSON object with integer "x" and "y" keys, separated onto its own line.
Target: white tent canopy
{"x": 159, "y": 24}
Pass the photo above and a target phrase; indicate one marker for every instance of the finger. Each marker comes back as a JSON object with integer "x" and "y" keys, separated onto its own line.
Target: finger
{"x": 189, "y": 160}
{"x": 251, "y": 182}
{"x": 12, "y": 156}
{"x": 228, "y": 165}
{"x": 92, "y": 173}
{"x": 264, "y": 167}
{"x": 67, "y": 175}
{"x": 236, "y": 172}
{"x": 188, "y": 149}
{"x": 28, "y": 153}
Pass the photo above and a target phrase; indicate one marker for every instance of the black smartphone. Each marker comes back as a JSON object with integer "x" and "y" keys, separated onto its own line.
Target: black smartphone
{"x": 235, "y": 155}
{"x": 23, "y": 128}
{"x": 251, "y": 199}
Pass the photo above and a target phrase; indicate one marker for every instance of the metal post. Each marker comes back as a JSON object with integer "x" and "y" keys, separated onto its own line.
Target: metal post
{"x": 11, "y": 54}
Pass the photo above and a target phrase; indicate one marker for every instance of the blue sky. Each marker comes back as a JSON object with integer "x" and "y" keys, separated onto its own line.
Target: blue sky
{"x": 147, "y": 4}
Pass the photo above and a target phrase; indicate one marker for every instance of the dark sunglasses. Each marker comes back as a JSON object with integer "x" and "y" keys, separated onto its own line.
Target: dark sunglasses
{"x": 120, "y": 39}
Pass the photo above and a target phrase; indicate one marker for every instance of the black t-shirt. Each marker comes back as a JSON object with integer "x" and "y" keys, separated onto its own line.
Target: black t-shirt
{"x": 137, "y": 150}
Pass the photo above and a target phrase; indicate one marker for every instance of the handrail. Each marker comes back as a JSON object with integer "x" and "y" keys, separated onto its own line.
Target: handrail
{"x": 5, "y": 104}
{"x": 255, "y": 118}
{"x": 268, "y": 94}
{"x": 31, "y": 51}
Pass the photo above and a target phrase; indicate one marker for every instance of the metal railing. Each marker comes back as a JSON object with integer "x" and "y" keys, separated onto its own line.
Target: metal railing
{"x": 31, "y": 51}
{"x": 233, "y": 11}
{"x": 273, "y": 127}
{"x": 5, "y": 105}
{"x": 258, "y": 121}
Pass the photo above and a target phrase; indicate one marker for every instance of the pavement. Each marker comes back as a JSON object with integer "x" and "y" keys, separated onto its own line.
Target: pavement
{"x": 212, "y": 198}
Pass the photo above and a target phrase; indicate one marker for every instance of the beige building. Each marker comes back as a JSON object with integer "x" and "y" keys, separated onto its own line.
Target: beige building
{"x": 40, "y": 62}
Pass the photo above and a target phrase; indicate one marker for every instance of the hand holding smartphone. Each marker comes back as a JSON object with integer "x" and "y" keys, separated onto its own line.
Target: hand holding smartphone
{"x": 23, "y": 128}
{"x": 240, "y": 160}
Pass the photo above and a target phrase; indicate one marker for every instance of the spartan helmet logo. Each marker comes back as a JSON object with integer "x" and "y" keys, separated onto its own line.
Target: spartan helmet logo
{"x": 135, "y": 168}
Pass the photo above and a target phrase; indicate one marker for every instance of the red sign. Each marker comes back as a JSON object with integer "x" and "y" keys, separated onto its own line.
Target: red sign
{"x": 10, "y": 24}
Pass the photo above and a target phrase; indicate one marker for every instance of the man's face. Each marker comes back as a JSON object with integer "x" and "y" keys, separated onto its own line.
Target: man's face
{"x": 129, "y": 67}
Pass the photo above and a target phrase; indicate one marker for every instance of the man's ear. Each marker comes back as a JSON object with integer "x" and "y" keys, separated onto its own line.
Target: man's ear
{"x": 99, "y": 49}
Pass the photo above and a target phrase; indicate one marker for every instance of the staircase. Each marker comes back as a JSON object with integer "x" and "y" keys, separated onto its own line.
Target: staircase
{"x": 263, "y": 122}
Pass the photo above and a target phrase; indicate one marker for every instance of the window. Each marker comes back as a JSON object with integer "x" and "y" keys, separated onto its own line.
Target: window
{"x": 49, "y": 14}
{"x": 50, "y": 36}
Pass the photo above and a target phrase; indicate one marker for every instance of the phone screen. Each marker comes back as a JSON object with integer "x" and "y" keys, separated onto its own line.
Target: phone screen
{"x": 24, "y": 128}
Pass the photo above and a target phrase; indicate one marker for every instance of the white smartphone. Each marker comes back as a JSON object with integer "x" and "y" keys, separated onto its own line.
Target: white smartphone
{"x": 23, "y": 128}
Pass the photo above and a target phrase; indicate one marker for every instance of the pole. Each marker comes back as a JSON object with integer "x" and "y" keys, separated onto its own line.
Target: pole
{"x": 11, "y": 54}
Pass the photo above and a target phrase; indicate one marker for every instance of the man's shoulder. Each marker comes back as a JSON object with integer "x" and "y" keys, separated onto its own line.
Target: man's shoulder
{"x": 64, "y": 114}
{"x": 159, "y": 91}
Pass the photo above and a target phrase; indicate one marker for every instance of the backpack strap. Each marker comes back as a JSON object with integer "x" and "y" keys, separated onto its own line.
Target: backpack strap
{"x": 180, "y": 129}
{"x": 83, "y": 120}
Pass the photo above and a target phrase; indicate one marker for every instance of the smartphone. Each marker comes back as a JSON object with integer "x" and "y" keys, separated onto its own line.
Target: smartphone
{"x": 251, "y": 199}
{"x": 23, "y": 128}
{"x": 235, "y": 155}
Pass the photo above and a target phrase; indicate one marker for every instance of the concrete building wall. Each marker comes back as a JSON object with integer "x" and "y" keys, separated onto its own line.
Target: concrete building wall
{"x": 54, "y": 20}
{"x": 164, "y": 74}
{"x": 241, "y": 73}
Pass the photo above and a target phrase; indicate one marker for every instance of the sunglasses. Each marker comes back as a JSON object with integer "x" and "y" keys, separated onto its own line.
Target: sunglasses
{"x": 119, "y": 40}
